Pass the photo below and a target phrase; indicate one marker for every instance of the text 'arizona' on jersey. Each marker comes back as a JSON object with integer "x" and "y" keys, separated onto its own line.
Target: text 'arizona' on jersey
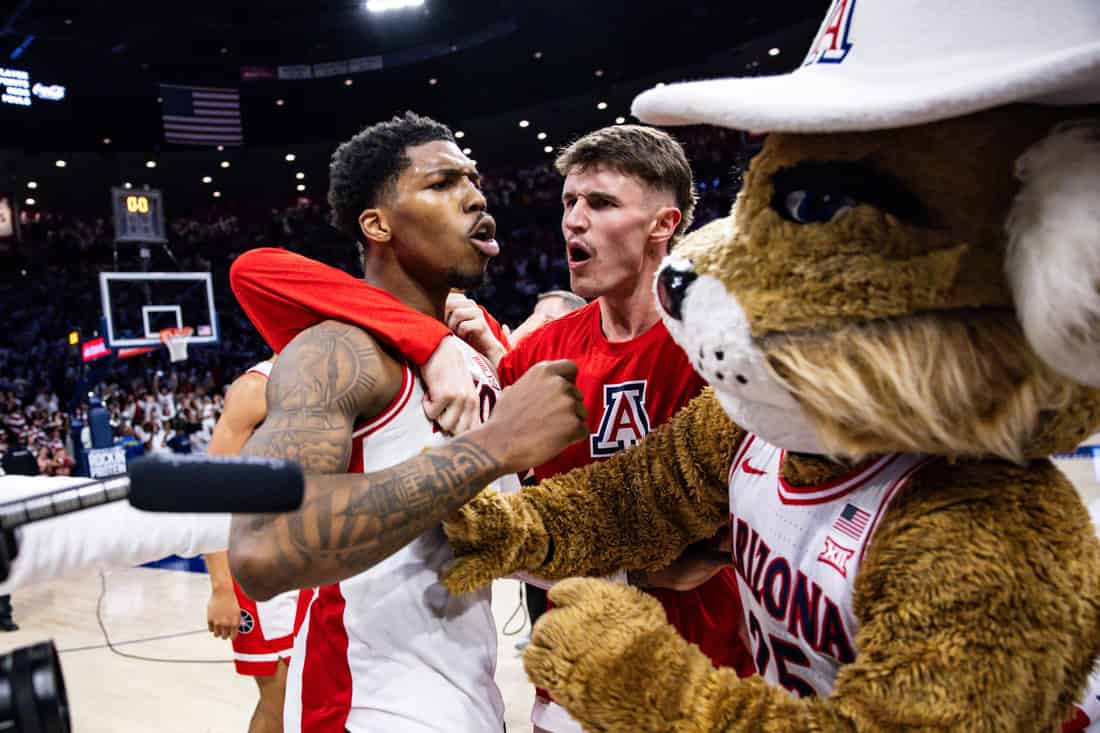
{"x": 390, "y": 649}
{"x": 797, "y": 551}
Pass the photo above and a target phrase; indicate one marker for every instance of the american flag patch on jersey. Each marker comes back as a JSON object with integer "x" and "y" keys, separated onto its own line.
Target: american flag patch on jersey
{"x": 852, "y": 521}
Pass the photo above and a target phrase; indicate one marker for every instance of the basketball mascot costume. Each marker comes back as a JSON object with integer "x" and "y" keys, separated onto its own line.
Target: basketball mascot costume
{"x": 899, "y": 323}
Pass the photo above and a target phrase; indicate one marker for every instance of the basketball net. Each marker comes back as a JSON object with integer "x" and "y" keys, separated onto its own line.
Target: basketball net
{"x": 176, "y": 341}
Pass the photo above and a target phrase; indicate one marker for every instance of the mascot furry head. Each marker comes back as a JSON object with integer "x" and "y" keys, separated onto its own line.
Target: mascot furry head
{"x": 900, "y": 321}
{"x": 919, "y": 249}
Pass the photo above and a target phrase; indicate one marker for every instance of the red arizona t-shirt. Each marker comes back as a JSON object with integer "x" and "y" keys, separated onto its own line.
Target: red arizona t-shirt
{"x": 631, "y": 388}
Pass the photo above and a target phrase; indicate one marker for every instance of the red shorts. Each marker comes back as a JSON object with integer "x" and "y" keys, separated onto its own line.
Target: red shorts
{"x": 267, "y": 630}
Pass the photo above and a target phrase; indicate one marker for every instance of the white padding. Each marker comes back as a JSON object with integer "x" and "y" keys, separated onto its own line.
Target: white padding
{"x": 106, "y": 537}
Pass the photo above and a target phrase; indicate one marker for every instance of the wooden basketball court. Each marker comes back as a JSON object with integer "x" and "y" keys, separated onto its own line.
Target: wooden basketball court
{"x": 161, "y": 614}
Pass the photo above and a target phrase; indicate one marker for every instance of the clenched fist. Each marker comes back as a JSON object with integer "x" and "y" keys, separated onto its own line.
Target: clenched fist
{"x": 539, "y": 416}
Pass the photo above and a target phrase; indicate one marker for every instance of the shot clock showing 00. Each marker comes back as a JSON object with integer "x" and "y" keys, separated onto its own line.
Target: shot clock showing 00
{"x": 138, "y": 204}
{"x": 139, "y": 216}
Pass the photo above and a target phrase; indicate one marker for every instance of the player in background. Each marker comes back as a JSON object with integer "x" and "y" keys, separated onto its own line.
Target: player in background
{"x": 261, "y": 634}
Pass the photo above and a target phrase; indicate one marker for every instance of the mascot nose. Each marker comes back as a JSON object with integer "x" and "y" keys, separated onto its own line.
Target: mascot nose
{"x": 672, "y": 284}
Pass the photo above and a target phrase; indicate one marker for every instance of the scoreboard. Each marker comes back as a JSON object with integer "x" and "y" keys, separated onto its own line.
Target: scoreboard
{"x": 139, "y": 215}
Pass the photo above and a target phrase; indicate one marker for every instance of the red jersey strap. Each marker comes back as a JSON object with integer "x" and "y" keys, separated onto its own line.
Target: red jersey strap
{"x": 283, "y": 294}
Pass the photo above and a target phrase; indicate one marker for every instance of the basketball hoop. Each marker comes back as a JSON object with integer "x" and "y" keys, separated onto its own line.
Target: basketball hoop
{"x": 176, "y": 341}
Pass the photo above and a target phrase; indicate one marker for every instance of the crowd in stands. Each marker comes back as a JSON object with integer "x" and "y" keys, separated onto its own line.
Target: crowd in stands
{"x": 49, "y": 286}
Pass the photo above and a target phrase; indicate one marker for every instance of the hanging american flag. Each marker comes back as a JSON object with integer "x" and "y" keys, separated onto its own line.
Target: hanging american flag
{"x": 852, "y": 521}
{"x": 201, "y": 115}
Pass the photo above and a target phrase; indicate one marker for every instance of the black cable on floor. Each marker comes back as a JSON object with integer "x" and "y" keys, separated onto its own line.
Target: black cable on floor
{"x": 111, "y": 646}
{"x": 133, "y": 641}
{"x": 522, "y": 608}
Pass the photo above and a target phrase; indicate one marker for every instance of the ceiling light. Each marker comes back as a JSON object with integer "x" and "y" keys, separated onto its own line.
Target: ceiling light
{"x": 290, "y": 157}
{"x": 30, "y": 202}
{"x": 548, "y": 149}
{"x": 221, "y": 148}
{"x": 207, "y": 179}
{"x": 459, "y": 135}
{"x": 620, "y": 120}
{"x": 60, "y": 163}
{"x": 150, "y": 164}
{"x": 433, "y": 81}
{"x": 348, "y": 82}
{"x": 106, "y": 141}
{"x": 224, "y": 49}
{"x": 32, "y": 184}
{"x": 466, "y": 151}
{"x": 541, "y": 136}
{"x": 599, "y": 72}
{"x": 301, "y": 187}
{"x": 127, "y": 185}
{"x": 217, "y": 194}
{"x": 601, "y": 105}
{"x": 299, "y": 175}
{"x": 160, "y": 100}
{"x": 279, "y": 102}
{"x": 524, "y": 123}
{"x": 225, "y": 164}
{"x": 773, "y": 51}
{"x": 538, "y": 55}
{"x": 381, "y": 6}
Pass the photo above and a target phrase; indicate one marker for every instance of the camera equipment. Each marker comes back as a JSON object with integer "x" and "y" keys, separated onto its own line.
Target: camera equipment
{"x": 32, "y": 689}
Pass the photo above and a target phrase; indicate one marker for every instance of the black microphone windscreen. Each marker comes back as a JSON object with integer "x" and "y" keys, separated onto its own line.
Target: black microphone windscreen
{"x": 183, "y": 483}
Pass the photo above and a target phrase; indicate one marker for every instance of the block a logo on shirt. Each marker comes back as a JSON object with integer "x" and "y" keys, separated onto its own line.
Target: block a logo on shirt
{"x": 832, "y": 43}
{"x": 624, "y": 422}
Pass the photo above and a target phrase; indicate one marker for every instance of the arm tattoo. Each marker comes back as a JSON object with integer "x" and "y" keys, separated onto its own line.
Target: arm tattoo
{"x": 349, "y": 523}
{"x": 321, "y": 382}
{"x": 324, "y": 379}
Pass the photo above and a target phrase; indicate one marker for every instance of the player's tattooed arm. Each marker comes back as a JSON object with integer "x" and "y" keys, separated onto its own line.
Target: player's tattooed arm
{"x": 326, "y": 377}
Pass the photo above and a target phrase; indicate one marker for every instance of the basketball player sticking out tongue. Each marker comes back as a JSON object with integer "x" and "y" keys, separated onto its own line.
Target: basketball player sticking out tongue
{"x": 384, "y": 646}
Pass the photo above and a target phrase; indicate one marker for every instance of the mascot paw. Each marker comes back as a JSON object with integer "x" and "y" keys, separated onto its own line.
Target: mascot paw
{"x": 595, "y": 649}
{"x": 492, "y": 536}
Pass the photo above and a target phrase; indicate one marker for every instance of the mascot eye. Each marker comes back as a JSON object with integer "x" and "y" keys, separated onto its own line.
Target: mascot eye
{"x": 818, "y": 192}
{"x": 807, "y": 207}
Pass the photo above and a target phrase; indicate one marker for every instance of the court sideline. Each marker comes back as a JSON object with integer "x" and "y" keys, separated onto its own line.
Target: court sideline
{"x": 161, "y": 613}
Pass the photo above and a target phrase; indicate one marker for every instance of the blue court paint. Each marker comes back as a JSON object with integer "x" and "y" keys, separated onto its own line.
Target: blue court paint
{"x": 174, "y": 562}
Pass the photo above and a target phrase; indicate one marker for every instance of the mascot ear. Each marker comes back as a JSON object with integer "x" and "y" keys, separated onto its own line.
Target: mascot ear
{"x": 1053, "y": 257}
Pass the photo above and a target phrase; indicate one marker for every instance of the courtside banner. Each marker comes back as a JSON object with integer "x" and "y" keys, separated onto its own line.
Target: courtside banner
{"x": 107, "y": 462}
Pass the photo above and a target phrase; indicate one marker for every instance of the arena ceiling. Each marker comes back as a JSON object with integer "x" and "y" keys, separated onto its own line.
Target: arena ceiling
{"x": 493, "y": 62}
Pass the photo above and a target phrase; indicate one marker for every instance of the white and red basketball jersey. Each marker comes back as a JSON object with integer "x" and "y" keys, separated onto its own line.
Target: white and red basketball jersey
{"x": 797, "y": 551}
{"x": 390, "y": 649}
{"x": 263, "y": 368}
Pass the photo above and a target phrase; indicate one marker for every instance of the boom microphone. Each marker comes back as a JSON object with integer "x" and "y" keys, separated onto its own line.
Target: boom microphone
{"x": 190, "y": 484}
{"x": 232, "y": 485}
